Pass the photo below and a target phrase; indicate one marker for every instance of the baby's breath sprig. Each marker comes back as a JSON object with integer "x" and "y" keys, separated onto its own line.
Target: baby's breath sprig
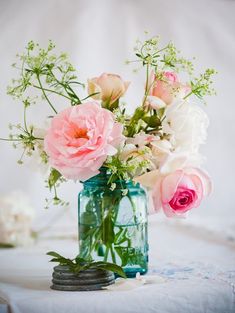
{"x": 120, "y": 113}
{"x": 42, "y": 70}
{"x": 152, "y": 55}
{"x": 25, "y": 138}
{"x": 202, "y": 86}
{"x": 157, "y": 60}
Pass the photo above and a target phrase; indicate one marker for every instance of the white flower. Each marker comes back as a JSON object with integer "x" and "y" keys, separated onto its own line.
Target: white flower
{"x": 141, "y": 139}
{"x": 161, "y": 149}
{"x": 16, "y": 216}
{"x": 39, "y": 159}
{"x": 146, "y": 147}
{"x": 187, "y": 126}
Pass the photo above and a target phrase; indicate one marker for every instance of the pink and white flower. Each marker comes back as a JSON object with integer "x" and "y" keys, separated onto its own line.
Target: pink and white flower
{"x": 80, "y": 138}
{"x": 176, "y": 187}
{"x": 180, "y": 191}
{"x": 165, "y": 90}
{"x": 109, "y": 87}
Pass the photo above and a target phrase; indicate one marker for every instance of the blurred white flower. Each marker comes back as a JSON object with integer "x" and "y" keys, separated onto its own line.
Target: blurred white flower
{"x": 38, "y": 159}
{"x": 16, "y": 217}
{"x": 187, "y": 126}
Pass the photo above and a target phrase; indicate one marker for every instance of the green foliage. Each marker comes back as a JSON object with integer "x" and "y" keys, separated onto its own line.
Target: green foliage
{"x": 108, "y": 230}
{"x": 24, "y": 137}
{"x": 150, "y": 53}
{"x": 79, "y": 264}
{"x": 159, "y": 59}
{"x": 43, "y": 70}
{"x": 53, "y": 182}
{"x": 202, "y": 86}
{"x": 53, "y": 178}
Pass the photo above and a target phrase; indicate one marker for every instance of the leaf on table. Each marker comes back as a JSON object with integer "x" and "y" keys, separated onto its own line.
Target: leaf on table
{"x": 6, "y": 245}
{"x": 109, "y": 267}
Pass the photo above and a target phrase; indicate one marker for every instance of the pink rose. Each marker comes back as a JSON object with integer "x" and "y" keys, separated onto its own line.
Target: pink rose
{"x": 167, "y": 88}
{"x": 180, "y": 191}
{"x": 80, "y": 138}
{"x": 110, "y": 87}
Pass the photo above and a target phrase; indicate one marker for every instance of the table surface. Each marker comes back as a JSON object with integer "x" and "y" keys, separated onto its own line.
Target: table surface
{"x": 198, "y": 271}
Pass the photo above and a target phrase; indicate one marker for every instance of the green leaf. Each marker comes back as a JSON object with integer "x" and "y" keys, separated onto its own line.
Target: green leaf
{"x": 152, "y": 121}
{"x": 54, "y": 254}
{"x": 109, "y": 267}
{"x": 53, "y": 178}
{"x": 6, "y": 245}
{"x": 81, "y": 264}
{"x": 122, "y": 254}
{"x": 60, "y": 259}
{"x": 80, "y": 260}
{"x": 160, "y": 112}
{"x": 88, "y": 218}
{"x": 91, "y": 95}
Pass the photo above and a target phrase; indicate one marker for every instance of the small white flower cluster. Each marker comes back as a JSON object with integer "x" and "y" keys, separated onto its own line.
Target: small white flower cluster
{"x": 16, "y": 215}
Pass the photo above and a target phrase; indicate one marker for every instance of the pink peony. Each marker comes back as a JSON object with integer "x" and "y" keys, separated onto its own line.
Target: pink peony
{"x": 167, "y": 88}
{"x": 180, "y": 191}
{"x": 80, "y": 139}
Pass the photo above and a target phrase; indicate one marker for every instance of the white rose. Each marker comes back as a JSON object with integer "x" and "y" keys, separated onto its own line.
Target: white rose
{"x": 187, "y": 126}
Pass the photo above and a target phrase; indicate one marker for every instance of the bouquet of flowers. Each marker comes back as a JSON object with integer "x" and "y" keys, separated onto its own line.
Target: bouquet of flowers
{"x": 157, "y": 146}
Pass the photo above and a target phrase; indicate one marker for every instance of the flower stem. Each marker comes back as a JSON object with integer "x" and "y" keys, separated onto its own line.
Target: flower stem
{"x": 106, "y": 254}
{"x": 147, "y": 79}
{"x": 134, "y": 208}
{"x": 52, "y": 91}
{"x": 25, "y": 123}
{"x": 5, "y": 139}
{"x": 113, "y": 254}
{"x": 43, "y": 91}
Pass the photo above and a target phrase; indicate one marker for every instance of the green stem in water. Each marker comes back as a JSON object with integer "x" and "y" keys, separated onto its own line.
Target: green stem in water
{"x": 113, "y": 254}
{"x": 106, "y": 254}
{"x": 134, "y": 208}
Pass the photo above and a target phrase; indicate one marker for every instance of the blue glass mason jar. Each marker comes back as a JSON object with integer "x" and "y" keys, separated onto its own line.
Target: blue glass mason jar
{"x": 113, "y": 224}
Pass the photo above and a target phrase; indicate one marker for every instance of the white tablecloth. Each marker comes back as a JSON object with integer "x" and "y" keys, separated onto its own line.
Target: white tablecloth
{"x": 199, "y": 273}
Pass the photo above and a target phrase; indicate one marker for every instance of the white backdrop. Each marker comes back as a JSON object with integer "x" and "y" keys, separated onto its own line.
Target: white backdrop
{"x": 99, "y": 36}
